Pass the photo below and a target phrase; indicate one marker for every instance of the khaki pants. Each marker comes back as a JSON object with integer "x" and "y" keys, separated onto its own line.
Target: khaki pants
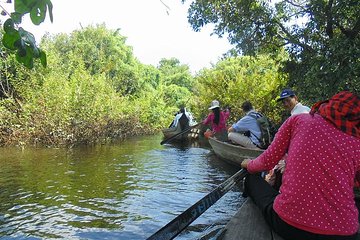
{"x": 242, "y": 140}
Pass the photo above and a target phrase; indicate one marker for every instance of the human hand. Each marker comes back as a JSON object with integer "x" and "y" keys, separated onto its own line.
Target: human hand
{"x": 280, "y": 166}
{"x": 245, "y": 163}
{"x": 208, "y": 133}
{"x": 270, "y": 177}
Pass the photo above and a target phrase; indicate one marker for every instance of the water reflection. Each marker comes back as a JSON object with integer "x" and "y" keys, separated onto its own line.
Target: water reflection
{"x": 126, "y": 190}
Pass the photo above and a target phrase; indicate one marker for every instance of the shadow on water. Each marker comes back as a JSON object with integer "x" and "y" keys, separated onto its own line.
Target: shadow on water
{"x": 125, "y": 190}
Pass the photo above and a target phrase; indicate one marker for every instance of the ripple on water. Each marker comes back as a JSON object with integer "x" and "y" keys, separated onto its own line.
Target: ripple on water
{"x": 123, "y": 191}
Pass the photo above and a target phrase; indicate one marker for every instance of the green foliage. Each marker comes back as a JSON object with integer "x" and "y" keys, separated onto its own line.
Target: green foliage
{"x": 321, "y": 37}
{"x": 74, "y": 109}
{"x": 18, "y": 39}
{"x": 177, "y": 83}
{"x": 36, "y": 8}
{"x": 175, "y": 73}
{"x": 93, "y": 90}
{"x": 102, "y": 51}
{"x": 150, "y": 77}
{"x": 321, "y": 76}
{"x": 176, "y": 96}
{"x": 237, "y": 79}
{"x": 12, "y": 74}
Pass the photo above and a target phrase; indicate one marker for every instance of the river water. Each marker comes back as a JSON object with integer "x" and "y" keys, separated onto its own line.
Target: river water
{"x": 124, "y": 190}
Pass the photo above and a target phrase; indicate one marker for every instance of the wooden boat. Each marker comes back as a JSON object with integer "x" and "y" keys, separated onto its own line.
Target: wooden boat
{"x": 169, "y": 132}
{"x": 233, "y": 154}
{"x": 254, "y": 227}
{"x": 247, "y": 224}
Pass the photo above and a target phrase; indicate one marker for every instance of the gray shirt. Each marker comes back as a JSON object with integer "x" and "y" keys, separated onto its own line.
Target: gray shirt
{"x": 248, "y": 123}
{"x": 299, "y": 108}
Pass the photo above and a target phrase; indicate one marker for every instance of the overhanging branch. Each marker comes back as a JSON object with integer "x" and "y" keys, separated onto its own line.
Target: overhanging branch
{"x": 350, "y": 33}
{"x": 294, "y": 4}
{"x": 329, "y": 19}
{"x": 291, "y": 39}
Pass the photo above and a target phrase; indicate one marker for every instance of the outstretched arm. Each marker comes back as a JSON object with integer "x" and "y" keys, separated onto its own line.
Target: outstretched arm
{"x": 275, "y": 152}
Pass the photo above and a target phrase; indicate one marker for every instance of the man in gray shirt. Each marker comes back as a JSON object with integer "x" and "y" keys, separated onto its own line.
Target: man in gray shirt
{"x": 246, "y": 132}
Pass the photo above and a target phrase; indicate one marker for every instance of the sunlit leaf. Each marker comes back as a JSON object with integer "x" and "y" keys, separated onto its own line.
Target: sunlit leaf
{"x": 21, "y": 6}
{"x": 38, "y": 13}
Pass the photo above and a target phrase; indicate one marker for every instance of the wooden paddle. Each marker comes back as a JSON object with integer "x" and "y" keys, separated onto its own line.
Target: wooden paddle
{"x": 173, "y": 228}
{"x": 178, "y": 134}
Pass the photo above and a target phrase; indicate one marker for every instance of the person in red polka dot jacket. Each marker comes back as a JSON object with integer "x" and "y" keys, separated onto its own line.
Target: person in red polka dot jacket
{"x": 316, "y": 198}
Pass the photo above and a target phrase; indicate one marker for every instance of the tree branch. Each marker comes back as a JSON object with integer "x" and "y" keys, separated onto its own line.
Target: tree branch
{"x": 289, "y": 37}
{"x": 4, "y": 10}
{"x": 167, "y": 7}
{"x": 350, "y": 33}
{"x": 294, "y": 4}
{"x": 329, "y": 19}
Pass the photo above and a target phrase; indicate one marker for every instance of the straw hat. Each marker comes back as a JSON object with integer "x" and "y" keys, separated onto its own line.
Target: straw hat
{"x": 214, "y": 104}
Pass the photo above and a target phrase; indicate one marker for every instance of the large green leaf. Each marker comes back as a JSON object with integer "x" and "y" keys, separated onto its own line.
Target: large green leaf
{"x": 9, "y": 26}
{"x": 9, "y": 40}
{"x": 16, "y": 38}
{"x": 27, "y": 37}
{"x": 38, "y": 13}
{"x": 24, "y": 6}
{"x": 25, "y": 56}
{"x": 50, "y": 7}
{"x": 17, "y": 17}
{"x": 36, "y": 8}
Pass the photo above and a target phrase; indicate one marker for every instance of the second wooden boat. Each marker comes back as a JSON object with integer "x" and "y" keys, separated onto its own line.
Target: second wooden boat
{"x": 170, "y": 132}
{"x": 233, "y": 154}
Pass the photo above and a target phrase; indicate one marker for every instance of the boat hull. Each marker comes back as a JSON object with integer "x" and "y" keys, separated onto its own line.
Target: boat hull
{"x": 170, "y": 132}
{"x": 233, "y": 154}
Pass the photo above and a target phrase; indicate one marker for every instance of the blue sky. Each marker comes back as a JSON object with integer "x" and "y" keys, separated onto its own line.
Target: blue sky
{"x": 152, "y": 30}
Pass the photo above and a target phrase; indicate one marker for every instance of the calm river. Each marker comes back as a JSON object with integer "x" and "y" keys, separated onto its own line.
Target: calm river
{"x": 126, "y": 190}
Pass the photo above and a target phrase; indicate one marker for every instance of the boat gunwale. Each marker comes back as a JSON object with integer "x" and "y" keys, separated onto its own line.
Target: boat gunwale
{"x": 231, "y": 153}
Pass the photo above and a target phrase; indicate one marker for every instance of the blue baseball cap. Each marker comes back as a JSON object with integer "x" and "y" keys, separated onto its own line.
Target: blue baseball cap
{"x": 285, "y": 94}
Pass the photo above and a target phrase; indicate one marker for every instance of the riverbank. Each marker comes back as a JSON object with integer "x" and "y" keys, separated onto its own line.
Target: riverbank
{"x": 73, "y": 134}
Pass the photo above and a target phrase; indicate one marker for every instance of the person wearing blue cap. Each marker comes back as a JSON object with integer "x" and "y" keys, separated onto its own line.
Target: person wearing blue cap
{"x": 291, "y": 102}
{"x": 316, "y": 199}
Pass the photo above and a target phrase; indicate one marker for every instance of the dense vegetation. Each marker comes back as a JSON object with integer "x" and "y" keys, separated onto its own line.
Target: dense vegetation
{"x": 237, "y": 79}
{"x": 321, "y": 38}
{"x": 94, "y": 89}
